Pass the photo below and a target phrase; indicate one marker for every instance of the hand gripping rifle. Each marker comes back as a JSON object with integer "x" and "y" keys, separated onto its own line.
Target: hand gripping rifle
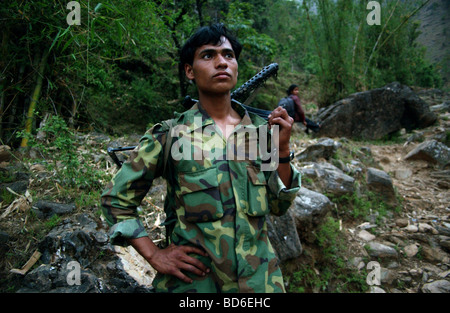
{"x": 240, "y": 95}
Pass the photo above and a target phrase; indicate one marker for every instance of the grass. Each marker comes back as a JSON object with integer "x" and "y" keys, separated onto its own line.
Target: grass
{"x": 6, "y": 197}
{"x": 328, "y": 271}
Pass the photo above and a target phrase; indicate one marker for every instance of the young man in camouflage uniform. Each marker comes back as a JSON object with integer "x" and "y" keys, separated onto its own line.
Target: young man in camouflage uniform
{"x": 217, "y": 199}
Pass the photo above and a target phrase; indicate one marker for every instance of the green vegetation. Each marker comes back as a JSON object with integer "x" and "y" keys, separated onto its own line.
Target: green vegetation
{"x": 329, "y": 272}
{"x": 56, "y": 146}
{"x": 117, "y": 71}
{"x": 360, "y": 205}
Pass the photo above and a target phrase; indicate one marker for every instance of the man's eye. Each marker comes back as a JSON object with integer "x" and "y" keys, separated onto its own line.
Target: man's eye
{"x": 207, "y": 56}
{"x": 229, "y": 55}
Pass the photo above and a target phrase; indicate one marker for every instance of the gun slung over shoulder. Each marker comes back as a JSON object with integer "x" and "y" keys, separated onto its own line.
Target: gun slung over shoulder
{"x": 243, "y": 92}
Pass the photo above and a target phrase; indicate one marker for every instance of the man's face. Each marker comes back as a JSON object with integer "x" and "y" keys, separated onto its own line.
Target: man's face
{"x": 215, "y": 68}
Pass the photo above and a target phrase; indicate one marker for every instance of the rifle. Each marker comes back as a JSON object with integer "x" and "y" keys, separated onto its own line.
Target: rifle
{"x": 240, "y": 95}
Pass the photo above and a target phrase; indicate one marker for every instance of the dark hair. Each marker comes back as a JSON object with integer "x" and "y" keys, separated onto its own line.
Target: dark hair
{"x": 291, "y": 88}
{"x": 208, "y": 35}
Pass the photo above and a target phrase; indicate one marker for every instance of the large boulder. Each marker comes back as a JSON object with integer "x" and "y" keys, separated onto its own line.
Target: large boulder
{"x": 283, "y": 236}
{"x": 376, "y": 113}
{"x": 308, "y": 211}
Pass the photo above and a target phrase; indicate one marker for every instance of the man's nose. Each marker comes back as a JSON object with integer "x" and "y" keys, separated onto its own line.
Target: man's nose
{"x": 221, "y": 61}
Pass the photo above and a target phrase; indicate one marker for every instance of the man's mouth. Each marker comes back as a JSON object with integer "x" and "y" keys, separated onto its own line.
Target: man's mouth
{"x": 222, "y": 75}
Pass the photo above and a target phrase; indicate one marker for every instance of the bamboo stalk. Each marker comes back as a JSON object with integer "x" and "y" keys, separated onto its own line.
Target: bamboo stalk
{"x": 313, "y": 35}
{"x": 378, "y": 40}
{"x": 35, "y": 98}
{"x": 406, "y": 20}
{"x": 393, "y": 32}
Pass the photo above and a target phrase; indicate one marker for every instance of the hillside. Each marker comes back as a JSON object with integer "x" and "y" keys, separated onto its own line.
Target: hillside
{"x": 435, "y": 36}
{"x": 46, "y": 222}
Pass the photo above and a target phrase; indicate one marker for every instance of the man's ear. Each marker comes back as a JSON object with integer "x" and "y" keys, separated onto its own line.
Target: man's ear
{"x": 189, "y": 71}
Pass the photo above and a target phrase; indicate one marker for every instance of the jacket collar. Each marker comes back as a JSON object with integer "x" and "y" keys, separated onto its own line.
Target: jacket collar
{"x": 197, "y": 117}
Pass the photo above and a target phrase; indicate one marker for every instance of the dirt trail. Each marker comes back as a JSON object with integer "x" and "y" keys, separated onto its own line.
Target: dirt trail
{"x": 423, "y": 186}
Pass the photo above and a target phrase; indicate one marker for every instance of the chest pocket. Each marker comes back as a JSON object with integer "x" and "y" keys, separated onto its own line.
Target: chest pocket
{"x": 257, "y": 192}
{"x": 199, "y": 194}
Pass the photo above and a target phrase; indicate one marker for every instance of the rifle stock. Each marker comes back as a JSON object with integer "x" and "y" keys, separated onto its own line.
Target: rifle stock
{"x": 239, "y": 96}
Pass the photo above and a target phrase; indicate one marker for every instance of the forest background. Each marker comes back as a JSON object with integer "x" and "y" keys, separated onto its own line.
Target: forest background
{"x": 117, "y": 72}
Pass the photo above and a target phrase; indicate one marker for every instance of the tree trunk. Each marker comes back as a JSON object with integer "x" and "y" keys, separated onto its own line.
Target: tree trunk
{"x": 199, "y": 4}
{"x": 35, "y": 98}
{"x": 3, "y": 66}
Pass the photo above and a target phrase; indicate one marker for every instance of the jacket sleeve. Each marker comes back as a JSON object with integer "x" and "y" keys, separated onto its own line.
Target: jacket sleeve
{"x": 280, "y": 197}
{"x": 129, "y": 186}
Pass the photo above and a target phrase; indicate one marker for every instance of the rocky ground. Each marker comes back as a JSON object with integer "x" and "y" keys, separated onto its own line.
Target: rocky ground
{"x": 420, "y": 231}
{"x": 45, "y": 227}
{"x": 410, "y": 242}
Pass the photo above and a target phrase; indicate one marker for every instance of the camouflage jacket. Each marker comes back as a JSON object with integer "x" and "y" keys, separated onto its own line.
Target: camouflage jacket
{"x": 217, "y": 199}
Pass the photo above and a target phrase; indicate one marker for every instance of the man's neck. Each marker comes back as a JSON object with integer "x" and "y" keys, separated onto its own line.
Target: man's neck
{"x": 217, "y": 106}
{"x": 219, "y": 109}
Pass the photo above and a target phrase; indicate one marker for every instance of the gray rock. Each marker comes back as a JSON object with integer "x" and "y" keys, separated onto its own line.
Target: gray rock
{"x": 443, "y": 107}
{"x": 284, "y": 237}
{"x": 387, "y": 276}
{"x": 443, "y": 230}
{"x": 439, "y": 286}
{"x": 330, "y": 179}
{"x": 445, "y": 244}
{"x": 434, "y": 254}
{"x": 53, "y": 279}
{"x": 402, "y": 222}
{"x": 19, "y": 187}
{"x": 381, "y": 183}
{"x": 379, "y": 250}
{"x": 309, "y": 209}
{"x": 376, "y": 289}
{"x": 324, "y": 148}
{"x": 432, "y": 151}
{"x": 365, "y": 235}
{"x": 411, "y": 250}
{"x": 363, "y": 115}
{"x": 5, "y": 153}
{"x": 46, "y": 209}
